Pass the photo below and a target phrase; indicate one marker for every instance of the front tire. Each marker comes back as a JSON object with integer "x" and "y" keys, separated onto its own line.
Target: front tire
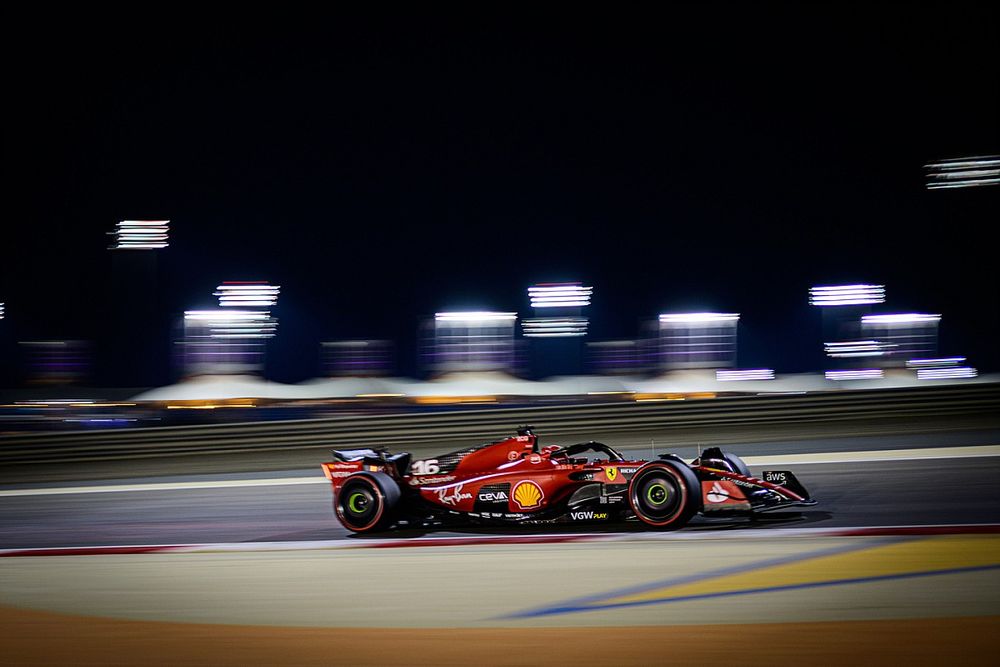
{"x": 366, "y": 502}
{"x": 663, "y": 496}
{"x": 737, "y": 463}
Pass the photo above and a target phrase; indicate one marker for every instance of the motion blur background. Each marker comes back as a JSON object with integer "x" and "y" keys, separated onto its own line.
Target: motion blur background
{"x": 714, "y": 158}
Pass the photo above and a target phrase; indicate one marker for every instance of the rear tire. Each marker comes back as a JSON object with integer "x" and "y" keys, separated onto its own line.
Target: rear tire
{"x": 366, "y": 502}
{"x": 664, "y": 495}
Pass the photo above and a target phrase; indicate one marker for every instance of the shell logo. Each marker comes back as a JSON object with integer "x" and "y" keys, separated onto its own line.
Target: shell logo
{"x": 527, "y": 495}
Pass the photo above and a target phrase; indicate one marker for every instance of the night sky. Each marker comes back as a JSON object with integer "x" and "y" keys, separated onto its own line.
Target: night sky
{"x": 719, "y": 158}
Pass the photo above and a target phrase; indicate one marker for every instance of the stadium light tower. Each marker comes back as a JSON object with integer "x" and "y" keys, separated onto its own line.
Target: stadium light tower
{"x": 557, "y": 327}
{"x": 562, "y": 304}
{"x": 133, "y": 360}
{"x": 841, "y": 306}
{"x": 141, "y": 235}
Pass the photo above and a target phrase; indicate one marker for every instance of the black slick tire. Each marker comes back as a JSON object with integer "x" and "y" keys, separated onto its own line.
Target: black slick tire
{"x": 367, "y": 501}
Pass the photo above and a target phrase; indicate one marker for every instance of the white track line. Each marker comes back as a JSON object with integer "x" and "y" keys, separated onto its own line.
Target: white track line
{"x": 784, "y": 459}
{"x": 164, "y": 486}
{"x": 480, "y": 540}
{"x": 877, "y": 455}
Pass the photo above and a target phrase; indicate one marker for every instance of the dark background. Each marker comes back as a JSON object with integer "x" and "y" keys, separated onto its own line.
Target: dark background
{"x": 380, "y": 169}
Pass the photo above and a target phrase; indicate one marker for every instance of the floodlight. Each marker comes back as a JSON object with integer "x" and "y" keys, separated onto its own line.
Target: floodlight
{"x": 233, "y": 323}
{"x": 140, "y": 234}
{"x": 555, "y": 327}
{"x": 934, "y": 363}
{"x": 243, "y": 294}
{"x": 946, "y": 373}
{"x": 901, "y": 318}
{"x": 475, "y": 317}
{"x": 739, "y": 375}
{"x": 559, "y": 295}
{"x": 699, "y": 318}
{"x": 964, "y": 172}
{"x": 864, "y": 374}
{"x": 857, "y": 348}
{"x": 846, "y": 295}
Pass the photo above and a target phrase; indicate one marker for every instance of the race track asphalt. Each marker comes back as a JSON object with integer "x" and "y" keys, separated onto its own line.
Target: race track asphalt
{"x": 897, "y": 492}
{"x": 714, "y": 592}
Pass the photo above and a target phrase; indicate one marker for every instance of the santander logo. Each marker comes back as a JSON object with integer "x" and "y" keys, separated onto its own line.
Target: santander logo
{"x": 717, "y": 494}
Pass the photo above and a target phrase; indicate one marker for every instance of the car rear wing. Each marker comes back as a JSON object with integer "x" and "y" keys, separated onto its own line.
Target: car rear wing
{"x": 355, "y": 454}
{"x": 369, "y": 459}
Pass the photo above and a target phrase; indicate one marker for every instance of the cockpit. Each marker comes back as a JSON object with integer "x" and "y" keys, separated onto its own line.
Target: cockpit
{"x": 584, "y": 452}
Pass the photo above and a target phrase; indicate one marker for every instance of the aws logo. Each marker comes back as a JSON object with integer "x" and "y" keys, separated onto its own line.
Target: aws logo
{"x": 527, "y": 495}
{"x": 612, "y": 473}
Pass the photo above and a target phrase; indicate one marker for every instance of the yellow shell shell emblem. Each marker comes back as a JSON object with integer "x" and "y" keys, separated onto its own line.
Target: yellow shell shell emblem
{"x": 612, "y": 473}
{"x": 527, "y": 495}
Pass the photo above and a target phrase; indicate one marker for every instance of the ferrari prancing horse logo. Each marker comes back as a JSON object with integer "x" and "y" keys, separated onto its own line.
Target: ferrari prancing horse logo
{"x": 612, "y": 473}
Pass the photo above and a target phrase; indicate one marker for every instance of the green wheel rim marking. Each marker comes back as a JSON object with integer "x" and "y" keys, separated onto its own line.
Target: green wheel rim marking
{"x": 649, "y": 494}
{"x": 351, "y": 502}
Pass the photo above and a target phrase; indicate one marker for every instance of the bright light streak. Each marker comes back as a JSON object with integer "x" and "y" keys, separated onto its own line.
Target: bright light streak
{"x": 560, "y": 295}
{"x": 934, "y": 363}
{"x": 225, "y": 315}
{"x": 698, "y": 318}
{"x": 963, "y": 184}
{"x": 846, "y": 295}
{"x": 1, "y": 310}
{"x": 739, "y": 375}
{"x": 946, "y": 373}
{"x": 141, "y": 234}
{"x": 553, "y": 327}
{"x": 233, "y": 324}
{"x": 901, "y": 318}
{"x": 247, "y": 294}
{"x": 475, "y": 317}
{"x": 857, "y": 348}
{"x": 555, "y": 334}
{"x": 963, "y": 172}
{"x": 866, "y": 374}
{"x": 964, "y": 162}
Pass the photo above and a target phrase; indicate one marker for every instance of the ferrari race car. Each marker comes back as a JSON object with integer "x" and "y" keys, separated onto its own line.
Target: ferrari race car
{"x": 513, "y": 481}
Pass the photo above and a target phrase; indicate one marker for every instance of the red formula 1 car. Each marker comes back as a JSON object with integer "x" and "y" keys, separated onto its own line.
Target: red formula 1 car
{"x": 513, "y": 481}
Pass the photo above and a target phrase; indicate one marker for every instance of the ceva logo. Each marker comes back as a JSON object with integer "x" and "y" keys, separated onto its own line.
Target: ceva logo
{"x": 527, "y": 495}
